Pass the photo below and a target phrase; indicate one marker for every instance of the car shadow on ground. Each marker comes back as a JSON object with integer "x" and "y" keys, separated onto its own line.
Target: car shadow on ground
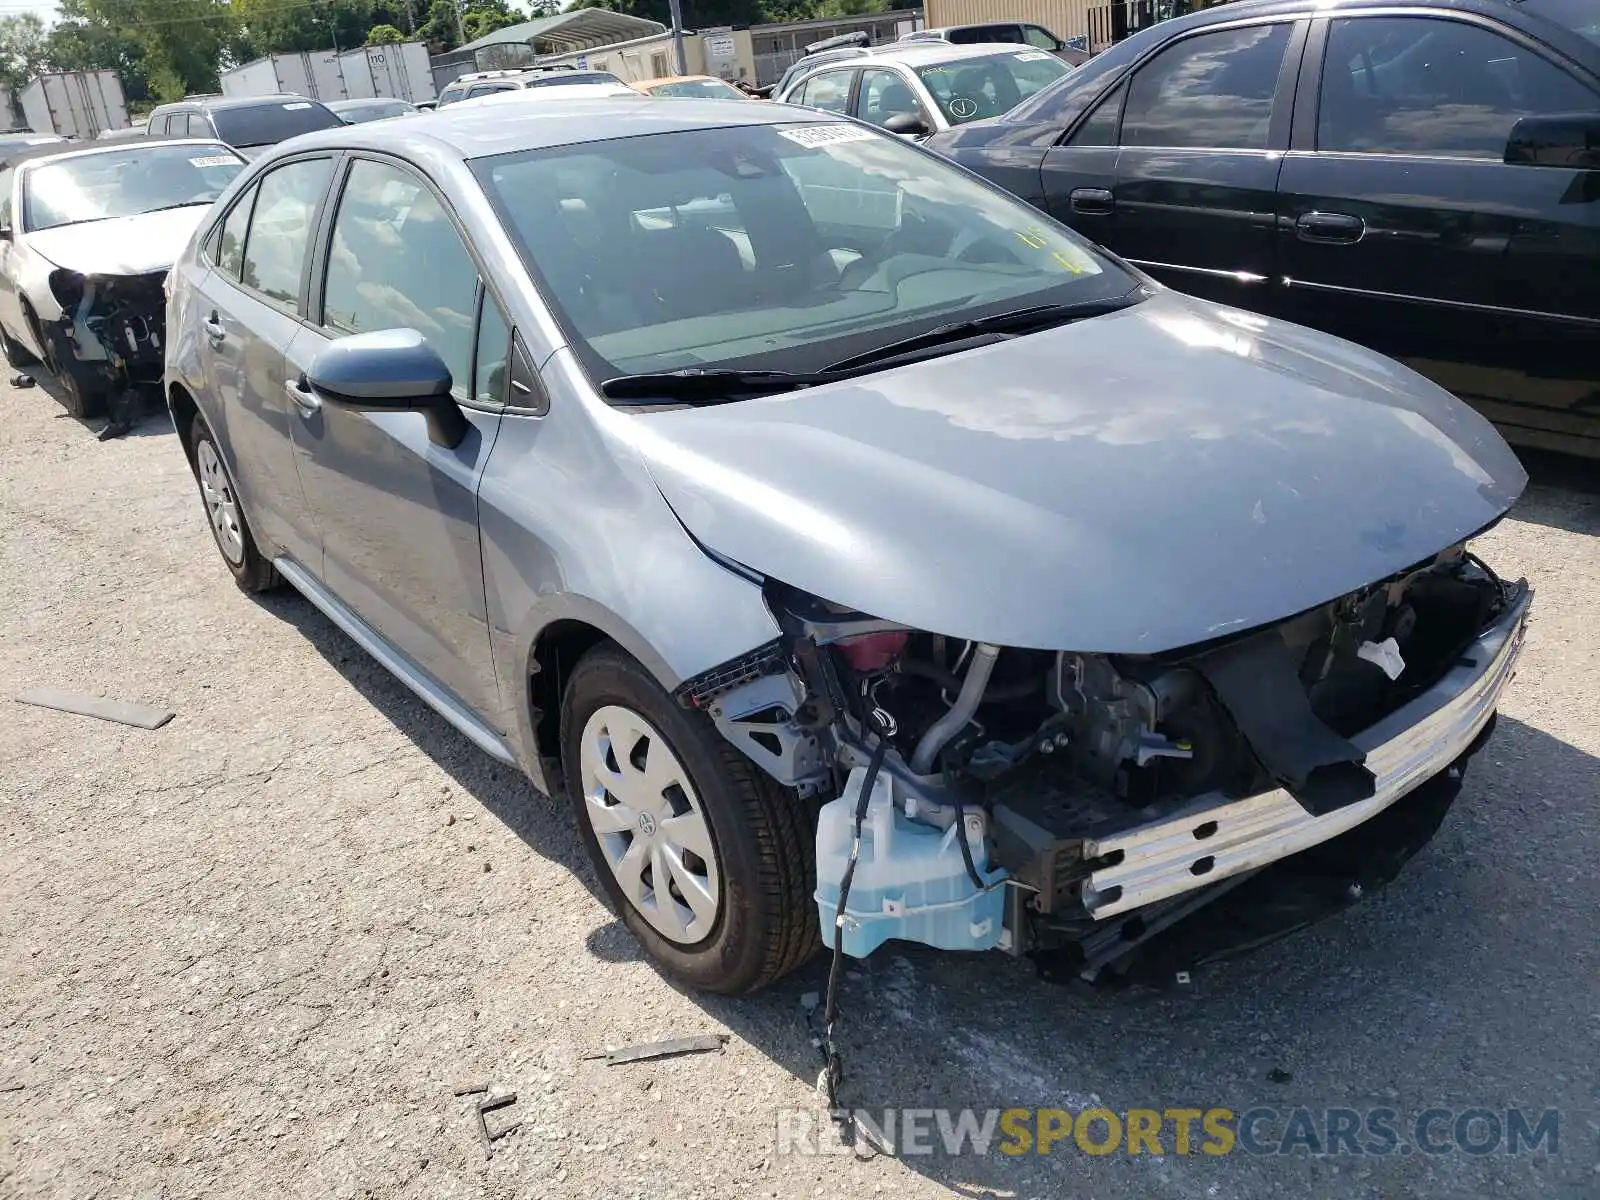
{"x": 151, "y": 420}
{"x": 1563, "y": 492}
{"x": 1353, "y": 1009}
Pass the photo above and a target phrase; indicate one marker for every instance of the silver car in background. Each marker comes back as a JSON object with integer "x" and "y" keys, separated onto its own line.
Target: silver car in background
{"x": 841, "y": 535}
{"x": 916, "y": 88}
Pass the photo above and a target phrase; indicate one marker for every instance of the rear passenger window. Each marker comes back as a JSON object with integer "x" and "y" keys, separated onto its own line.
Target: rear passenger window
{"x": 1419, "y": 85}
{"x": 280, "y": 228}
{"x": 1211, "y": 91}
{"x": 230, "y": 246}
{"x": 397, "y": 262}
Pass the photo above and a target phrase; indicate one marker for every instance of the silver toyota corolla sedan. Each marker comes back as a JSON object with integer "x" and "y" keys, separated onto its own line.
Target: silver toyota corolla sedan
{"x": 858, "y": 549}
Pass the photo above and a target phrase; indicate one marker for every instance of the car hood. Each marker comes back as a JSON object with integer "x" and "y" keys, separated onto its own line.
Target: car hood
{"x": 1133, "y": 483}
{"x": 121, "y": 245}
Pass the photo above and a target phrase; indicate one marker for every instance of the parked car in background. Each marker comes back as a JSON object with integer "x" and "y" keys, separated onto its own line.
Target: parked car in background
{"x": 1425, "y": 182}
{"x": 598, "y": 90}
{"x": 698, "y": 87}
{"x": 720, "y": 465}
{"x": 22, "y": 140}
{"x": 834, "y": 49}
{"x": 1019, "y": 32}
{"x": 87, "y": 235}
{"x": 372, "y": 108}
{"x": 915, "y": 90}
{"x": 488, "y": 83}
{"x": 247, "y": 123}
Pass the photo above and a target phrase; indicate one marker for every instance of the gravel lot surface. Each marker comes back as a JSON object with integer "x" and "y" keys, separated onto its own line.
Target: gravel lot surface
{"x": 253, "y": 952}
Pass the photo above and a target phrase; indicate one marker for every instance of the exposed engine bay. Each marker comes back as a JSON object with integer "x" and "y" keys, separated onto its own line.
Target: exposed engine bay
{"x": 1084, "y": 787}
{"x": 110, "y": 337}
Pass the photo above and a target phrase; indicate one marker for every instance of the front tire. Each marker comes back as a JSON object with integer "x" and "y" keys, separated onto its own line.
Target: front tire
{"x": 237, "y": 545}
{"x": 662, "y": 798}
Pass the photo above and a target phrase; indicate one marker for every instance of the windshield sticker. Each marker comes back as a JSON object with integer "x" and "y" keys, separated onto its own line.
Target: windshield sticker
{"x": 298, "y": 104}
{"x": 826, "y": 135}
{"x": 1032, "y": 55}
{"x": 212, "y": 160}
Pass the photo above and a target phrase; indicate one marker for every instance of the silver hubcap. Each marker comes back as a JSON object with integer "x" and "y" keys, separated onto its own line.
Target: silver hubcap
{"x": 220, "y": 506}
{"x": 647, "y": 819}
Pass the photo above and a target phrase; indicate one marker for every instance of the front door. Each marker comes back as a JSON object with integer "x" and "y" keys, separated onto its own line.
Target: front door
{"x": 1199, "y": 141}
{"x": 398, "y": 512}
{"x": 1405, "y": 230}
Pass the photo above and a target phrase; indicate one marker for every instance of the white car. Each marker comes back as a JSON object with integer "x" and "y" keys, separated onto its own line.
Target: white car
{"x": 87, "y": 236}
{"x": 556, "y": 91}
{"x": 917, "y": 89}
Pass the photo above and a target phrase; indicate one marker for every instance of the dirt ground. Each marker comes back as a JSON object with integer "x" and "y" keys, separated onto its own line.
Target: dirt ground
{"x": 255, "y": 951}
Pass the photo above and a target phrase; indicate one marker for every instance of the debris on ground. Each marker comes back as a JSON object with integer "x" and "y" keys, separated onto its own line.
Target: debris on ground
{"x": 22, "y": 380}
{"x": 669, "y": 1049}
{"x": 141, "y": 716}
{"x": 491, "y": 1104}
{"x": 471, "y": 1089}
{"x": 1279, "y": 1075}
{"x": 12, "y": 1087}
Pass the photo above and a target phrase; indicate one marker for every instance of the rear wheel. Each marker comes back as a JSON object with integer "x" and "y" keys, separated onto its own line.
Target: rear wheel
{"x": 708, "y": 861}
{"x": 18, "y": 356}
{"x": 250, "y": 568}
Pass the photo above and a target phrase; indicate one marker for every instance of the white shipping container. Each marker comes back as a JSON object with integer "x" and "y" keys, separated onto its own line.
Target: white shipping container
{"x": 79, "y": 104}
{"x": 315, "y": 74}
{"x": 401, "y": 71}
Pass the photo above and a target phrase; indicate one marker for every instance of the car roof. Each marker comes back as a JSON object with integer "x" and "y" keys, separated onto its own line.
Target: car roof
{"x": 478, "y": 128}
{"x": 220, "y": 103}
{"x": 364, "y": 102}
{"x": 660, "y": 79}
{"x": 22, "y": 154}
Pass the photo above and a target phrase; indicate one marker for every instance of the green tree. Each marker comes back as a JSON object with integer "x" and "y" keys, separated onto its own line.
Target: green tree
{"x": 274, "y": 27}
{"x": 384, "y": 35}
{"x": 485, "y": 16}
{"x": 440, "y": 30}
{"x": 23, "y": 50}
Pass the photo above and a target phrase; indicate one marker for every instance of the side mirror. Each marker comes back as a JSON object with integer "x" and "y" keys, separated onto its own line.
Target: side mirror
{"x": 390, "y": 370}
{"x": 1571, "y": 141}
{"x": 907, "y": 125}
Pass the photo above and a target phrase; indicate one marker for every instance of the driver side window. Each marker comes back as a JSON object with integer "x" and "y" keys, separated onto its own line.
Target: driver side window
{"x": 885, "y": 94}
{"x": 828, "y": 90}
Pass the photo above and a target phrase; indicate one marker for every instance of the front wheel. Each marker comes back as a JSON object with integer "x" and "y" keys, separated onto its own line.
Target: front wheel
{"x": 708, "y": 861}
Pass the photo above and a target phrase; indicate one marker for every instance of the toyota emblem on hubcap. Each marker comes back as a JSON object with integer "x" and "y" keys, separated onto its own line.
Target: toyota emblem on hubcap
{"x": 647, "y": 824}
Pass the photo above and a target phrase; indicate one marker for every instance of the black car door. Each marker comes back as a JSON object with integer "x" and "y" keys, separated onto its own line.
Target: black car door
{"x": 1405, "y": 230}
{"x": 1177, "y": 168}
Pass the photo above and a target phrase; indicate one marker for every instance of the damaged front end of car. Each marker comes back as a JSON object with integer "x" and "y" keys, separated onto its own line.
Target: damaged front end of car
{"x": 108, "y": 344}
{"x": 1106, "y": 813}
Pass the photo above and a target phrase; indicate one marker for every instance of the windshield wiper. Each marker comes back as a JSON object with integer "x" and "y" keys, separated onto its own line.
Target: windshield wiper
{"x": 695, "y": 383}
{"x": 698, "y": 384}
{"x": 1006, "y": 324}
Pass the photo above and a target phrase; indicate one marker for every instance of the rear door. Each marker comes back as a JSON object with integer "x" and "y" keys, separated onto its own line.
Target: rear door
{"x": 250, "y": 311}
{"x": 398, "y": 512}
{"x": 1405, "y": 229}
{"x": 831, "y": 91}
{"x": 1201, "y": 134}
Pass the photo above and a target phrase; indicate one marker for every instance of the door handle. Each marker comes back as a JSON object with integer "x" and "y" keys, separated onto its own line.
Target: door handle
{"x": 214, "y": 329}
{"x": 1092, "y": 202}
{"x": 304, "y": 398}
{"x": 1337, "y": 228}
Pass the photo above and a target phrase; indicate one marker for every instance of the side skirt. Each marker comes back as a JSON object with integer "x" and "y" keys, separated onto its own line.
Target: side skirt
{"x": 396, "y": 663}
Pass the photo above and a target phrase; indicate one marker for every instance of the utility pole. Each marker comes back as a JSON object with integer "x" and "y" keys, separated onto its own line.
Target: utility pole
{"x": 461, "y": 30}
{"x": 676, "y": 7}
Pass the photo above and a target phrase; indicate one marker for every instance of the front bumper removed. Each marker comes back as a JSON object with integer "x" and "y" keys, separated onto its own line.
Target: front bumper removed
{"x": 1212, "y": 840}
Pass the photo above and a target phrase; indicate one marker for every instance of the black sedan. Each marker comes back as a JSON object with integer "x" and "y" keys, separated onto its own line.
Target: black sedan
{"x": 1425, "y": 182}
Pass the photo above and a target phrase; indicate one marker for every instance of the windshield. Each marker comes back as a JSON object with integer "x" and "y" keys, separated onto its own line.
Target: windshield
{"x": 705, "y": 89}
{"x": 124, "y": 183}
{"x": 987, "y": 86}
{"x": 1581, "y": 16}
{"x": 781, "y": 247}
{"x": 268, "y": 124}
